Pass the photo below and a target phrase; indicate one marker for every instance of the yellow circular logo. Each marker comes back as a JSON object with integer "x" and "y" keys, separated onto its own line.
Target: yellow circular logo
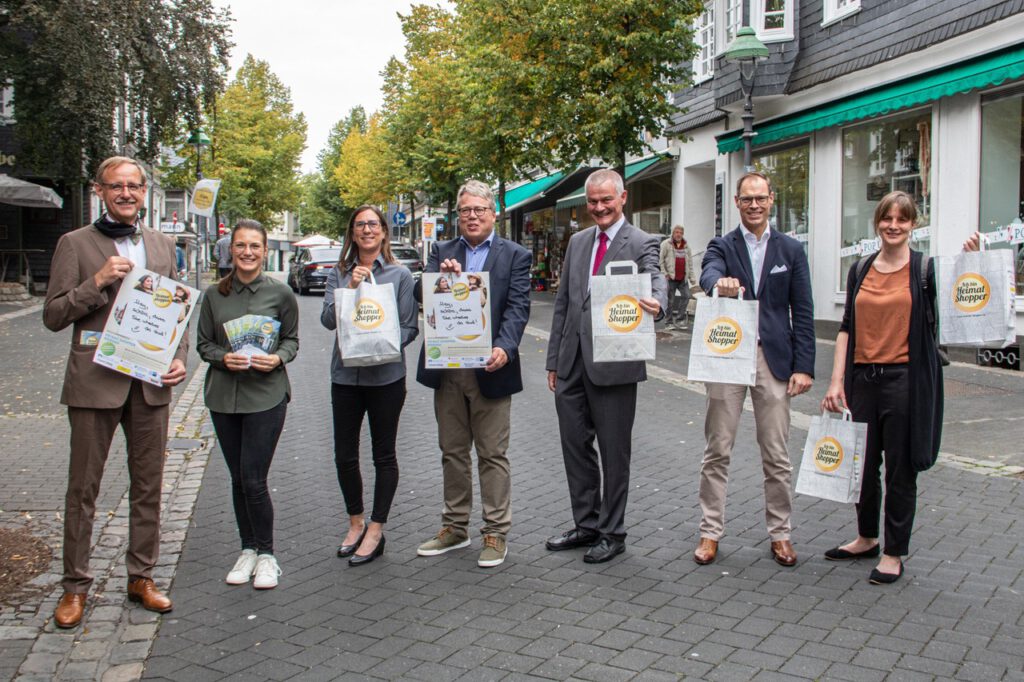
{"x": 828, "y": 454}
{"x": 971, "y": 292}
{"x": 723, "y": 335}
{"x": 267, "y": 328}
{"x": 623, "y": 314}
{"x": 460, "y": 290}
{"x": 203, "y": 199}
{"x": 368, "y": 314}
{"x": 162, "y": 298}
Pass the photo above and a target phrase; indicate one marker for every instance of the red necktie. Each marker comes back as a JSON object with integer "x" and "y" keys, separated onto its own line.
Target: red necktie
{"x": 602, "y": 249}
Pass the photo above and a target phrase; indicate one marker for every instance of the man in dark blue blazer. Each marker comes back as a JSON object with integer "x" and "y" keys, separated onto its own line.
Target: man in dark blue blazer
{"x": 772, "y": 268}
{"x": 473, "y": 406}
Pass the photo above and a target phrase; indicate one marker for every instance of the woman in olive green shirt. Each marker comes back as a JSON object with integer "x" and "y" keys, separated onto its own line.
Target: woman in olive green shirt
{"x": 248, "y": 395}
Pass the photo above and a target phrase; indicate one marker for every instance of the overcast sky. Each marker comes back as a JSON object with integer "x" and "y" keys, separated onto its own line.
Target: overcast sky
{"x": 328, "y": 52}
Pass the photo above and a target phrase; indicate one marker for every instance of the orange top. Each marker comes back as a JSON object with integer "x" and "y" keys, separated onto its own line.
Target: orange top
{"x": 883, "y": 317}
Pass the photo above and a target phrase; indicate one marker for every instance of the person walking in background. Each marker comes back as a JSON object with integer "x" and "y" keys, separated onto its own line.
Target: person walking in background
{"x": 474, "y": 406}
{"x": 88, "y": 267}
{"x": 770, "y": 267}
{"x": 222, "y": 250}
{"x": 676, "y": 264}
{"x": 248, "y": 395}
{"x": 886, "y": 370}
{"x": 597, "y": 399}
{"x": 377, "y": 391}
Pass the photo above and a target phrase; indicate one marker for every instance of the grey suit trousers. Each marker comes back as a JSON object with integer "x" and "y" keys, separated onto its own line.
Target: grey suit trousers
{"x": 586, "y": 410}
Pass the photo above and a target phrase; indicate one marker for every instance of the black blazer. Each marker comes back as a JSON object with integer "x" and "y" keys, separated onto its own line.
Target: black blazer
{"x": 508, "y": 264}
{"x": 785, "y": 305}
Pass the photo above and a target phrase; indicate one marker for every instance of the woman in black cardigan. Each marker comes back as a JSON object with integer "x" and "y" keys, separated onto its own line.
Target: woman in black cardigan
{"x": 887, "y": 370}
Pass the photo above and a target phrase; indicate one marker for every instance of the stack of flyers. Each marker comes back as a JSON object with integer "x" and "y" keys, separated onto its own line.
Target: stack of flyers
{"x": 252, "y": 334}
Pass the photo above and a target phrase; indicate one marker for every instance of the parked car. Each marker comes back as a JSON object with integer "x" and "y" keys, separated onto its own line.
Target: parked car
{"x": 409, "y": 257}
{"x": 308, "y": 270}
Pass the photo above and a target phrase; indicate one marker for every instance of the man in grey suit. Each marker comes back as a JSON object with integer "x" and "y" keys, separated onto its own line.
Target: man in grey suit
{"x": 597, "y": 399}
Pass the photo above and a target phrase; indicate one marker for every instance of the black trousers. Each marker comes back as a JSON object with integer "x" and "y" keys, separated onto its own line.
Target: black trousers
{"x": 248, "y": 441}
{"x": 597, "y": 492}
{"x": 880, "y": 395}
{"x": 383, "y": 404}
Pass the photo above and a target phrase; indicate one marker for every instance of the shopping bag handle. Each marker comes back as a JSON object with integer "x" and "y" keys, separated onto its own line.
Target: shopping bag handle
{"x": 621, "y": 264}
{"x": 845, "y": 415}
{"x": 714, "y": 292}
{"x": 373, "y": 280}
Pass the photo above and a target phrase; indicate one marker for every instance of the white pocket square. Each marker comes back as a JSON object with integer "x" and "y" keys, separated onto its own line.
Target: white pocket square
{"x": 777, "y": 269}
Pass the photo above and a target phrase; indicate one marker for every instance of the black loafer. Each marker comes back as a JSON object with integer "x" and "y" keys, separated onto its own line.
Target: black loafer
{"x": 840, "y": 554}
{"x": 360, "y": 559}
{"x": 605, "y": 550}
{"x": 879, "y": 578}
{"x": 571, "y": 539}
{"x": 349, "y": 550}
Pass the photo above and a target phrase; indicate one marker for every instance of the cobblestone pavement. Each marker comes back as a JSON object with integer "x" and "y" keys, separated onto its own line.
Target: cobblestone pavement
{"x": 651, "y": 614}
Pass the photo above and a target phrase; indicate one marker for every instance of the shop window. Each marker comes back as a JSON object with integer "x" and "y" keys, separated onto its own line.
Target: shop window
{"x": 789, "y": 173}
{"x": 704, "y": 38}
{"x": 836, "y": 10}
{"x": 1002, "y": 175}
{"x": 878, "y": 157}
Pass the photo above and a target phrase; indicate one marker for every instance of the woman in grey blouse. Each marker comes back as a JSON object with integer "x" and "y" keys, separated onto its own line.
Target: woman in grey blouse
{"x": 377, "y": 391}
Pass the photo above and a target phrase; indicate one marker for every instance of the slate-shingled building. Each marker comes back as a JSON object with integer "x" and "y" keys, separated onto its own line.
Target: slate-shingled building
{"x": 857, "y": 98}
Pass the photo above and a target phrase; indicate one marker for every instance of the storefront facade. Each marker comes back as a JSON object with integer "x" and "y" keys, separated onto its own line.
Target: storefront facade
{"x": 943, "y": 123}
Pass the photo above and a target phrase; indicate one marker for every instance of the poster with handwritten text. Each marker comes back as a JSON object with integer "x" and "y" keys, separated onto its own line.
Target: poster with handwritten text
{"x": 457, "y": 329}
{"x": 149, "y": 319}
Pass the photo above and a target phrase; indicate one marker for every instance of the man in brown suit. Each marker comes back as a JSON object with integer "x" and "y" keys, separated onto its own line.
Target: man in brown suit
{"x": 85, "y": 275}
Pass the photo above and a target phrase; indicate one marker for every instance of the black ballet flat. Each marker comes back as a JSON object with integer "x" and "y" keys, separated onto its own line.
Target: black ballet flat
{"x": 349, "y": 550}
{"x": 360, "y": 559}
{"x": 839, "y": 554}
{"x": 879, "y": 578}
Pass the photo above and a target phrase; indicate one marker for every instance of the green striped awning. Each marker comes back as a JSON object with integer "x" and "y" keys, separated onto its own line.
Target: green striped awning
{"x": 527, "y": 191}
{"x": 980, "y": 72}
{"x": 579, "y": 197}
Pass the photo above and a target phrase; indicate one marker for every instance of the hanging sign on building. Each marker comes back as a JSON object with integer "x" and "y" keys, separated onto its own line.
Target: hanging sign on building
{"x": 204, "y": 197}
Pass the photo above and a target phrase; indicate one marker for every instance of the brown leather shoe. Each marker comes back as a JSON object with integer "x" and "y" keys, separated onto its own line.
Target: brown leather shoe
{"x": 783, "y": 553}
{"x": 69, "y": 610}
{"x": 143, "y": 590}
{"x": 706, "y": 551}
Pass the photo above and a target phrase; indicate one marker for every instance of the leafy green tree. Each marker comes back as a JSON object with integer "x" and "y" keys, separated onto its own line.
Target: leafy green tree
{"x": 78, "y": 67}
{"x": 605, "y": 71}
{"x": 323, "y": 210}
{"x": 257, "y": 141}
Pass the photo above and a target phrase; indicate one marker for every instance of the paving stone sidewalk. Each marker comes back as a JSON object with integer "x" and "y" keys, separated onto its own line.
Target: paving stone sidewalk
{"x": 651, "y": 614}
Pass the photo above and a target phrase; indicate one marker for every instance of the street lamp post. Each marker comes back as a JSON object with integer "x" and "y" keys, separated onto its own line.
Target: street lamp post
{"x": 199, "y": 139}
{"x": 746, "y": 49}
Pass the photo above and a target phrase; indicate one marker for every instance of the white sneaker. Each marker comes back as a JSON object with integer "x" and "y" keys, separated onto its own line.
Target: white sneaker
{"x": 267, "y": 571}
{"x": 243, "y": 569}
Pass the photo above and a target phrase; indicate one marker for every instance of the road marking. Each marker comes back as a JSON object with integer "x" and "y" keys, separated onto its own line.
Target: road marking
{"x": 21, "y": 313}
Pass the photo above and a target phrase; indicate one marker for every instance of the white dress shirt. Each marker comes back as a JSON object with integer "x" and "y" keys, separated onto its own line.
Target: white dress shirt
{"x": 611, "y": 232}
{"x": 756, "y": 249}
{"x": 136, "y": 253}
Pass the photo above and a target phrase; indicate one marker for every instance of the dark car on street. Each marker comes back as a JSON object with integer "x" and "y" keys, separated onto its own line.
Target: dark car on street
{"x": 409, "y": 257}
{"x": 309, "y": 268}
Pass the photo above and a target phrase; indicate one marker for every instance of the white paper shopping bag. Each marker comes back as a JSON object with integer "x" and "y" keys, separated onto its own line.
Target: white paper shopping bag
{"x": 724, "y": 345}
{"x": 622, "y": 330}
{"x": 977, "y": 299}
{"x": 368, "y": 328}
{"x": 832, "y": 467}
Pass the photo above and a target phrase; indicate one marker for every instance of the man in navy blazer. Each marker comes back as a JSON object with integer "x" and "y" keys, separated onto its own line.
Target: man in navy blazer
{"x": 772, "y": 268}
{"x": 473, "y": 406}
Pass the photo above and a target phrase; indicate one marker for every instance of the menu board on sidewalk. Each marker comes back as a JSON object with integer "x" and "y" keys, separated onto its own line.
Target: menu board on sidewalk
{"x": 148, "y": 321}
{"x": 457, "y": 332}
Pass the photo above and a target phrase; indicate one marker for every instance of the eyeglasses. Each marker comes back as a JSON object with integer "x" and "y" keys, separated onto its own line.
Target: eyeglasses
{"x": 761, "y": 199}
{"x": 243, "y": 247}
{"x": 478, "y": 211}
{"x": 118, "y": 187}
{"x": 372, "y": 225}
